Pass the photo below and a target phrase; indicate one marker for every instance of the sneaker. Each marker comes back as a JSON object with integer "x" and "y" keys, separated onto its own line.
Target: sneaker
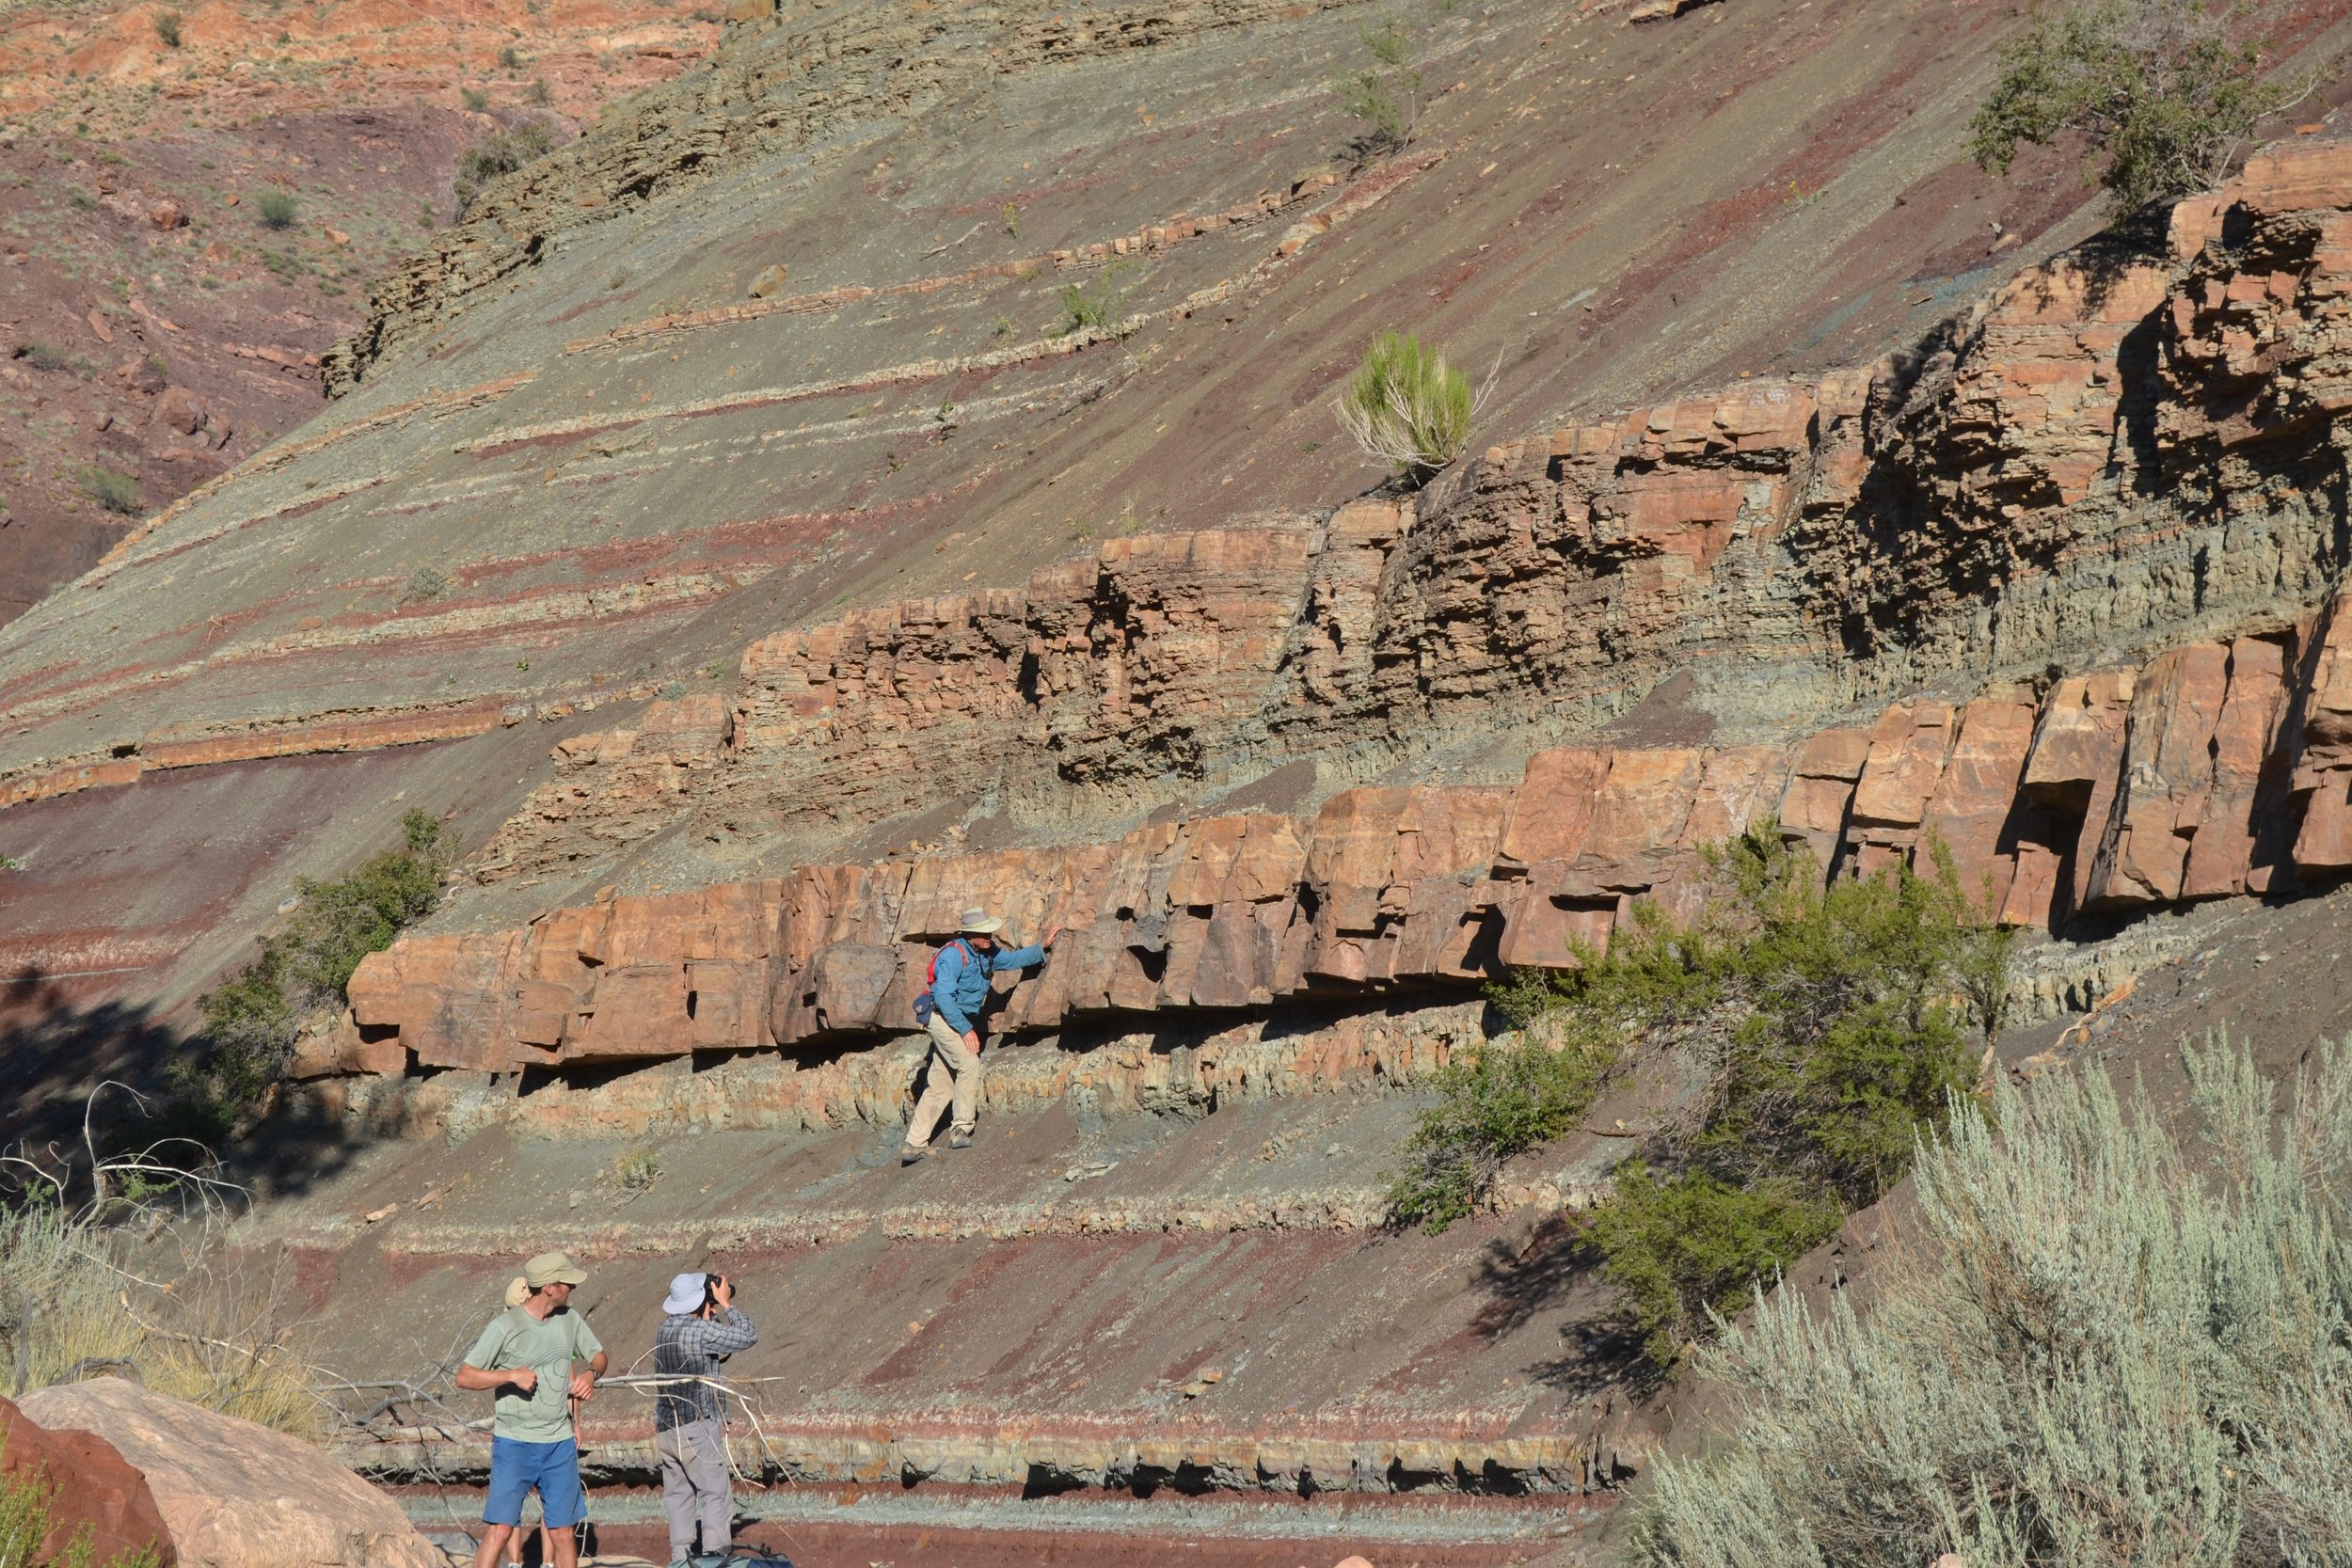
{"x": 958, "y": 1140}
{"x": 908, "y": 1155}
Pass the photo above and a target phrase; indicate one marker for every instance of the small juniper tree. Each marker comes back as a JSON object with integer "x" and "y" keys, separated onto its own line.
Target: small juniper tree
{"x": 2168, "y": 91}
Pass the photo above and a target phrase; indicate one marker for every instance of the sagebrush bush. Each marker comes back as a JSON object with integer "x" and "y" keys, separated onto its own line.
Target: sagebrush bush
{"x": 497, "y": 154}
{"x": 251, "y": 1019}
{"x": 1407, "y": 408}
{"x": 167, "y": 28}
{"x": 2168, "y": 91}
{"x": 220, "y": 1328}
{"x": 275, "y": 208}
{"x": 2095, "y": 1346}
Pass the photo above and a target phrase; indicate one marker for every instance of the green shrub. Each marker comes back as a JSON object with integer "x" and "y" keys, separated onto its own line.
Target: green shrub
{"x": 2094, "y": 1345}
{"x": 1407, "y": 408}
{"x": 117, "y": 493}
{"x": 167, "y": 28}
{"x": 500, "y": 153}
{"x": 275, "y": 208}
{"x": 79, "y": 198}
{"x": 537, "y": 94}
{"x": 1384, "y": 98}
{"x": 634, "y": 1170}
{"x": 1096, "y": 307}
{"x": 1823, "y": 1026}
{"x": 253, "y": 1018}
{"x": 43, "y": 356}
{"x": 425, "y": 584}
{"x": 1682, "y": 1249}
{"x": 474, "y": 99}
{"x": 2169, "y": 92}
{"x": 509, "y": 58}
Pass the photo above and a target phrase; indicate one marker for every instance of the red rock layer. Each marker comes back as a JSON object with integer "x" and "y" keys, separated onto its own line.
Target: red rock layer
{"x": 2216, "y": 769}
{"x": 93, "y": 1489}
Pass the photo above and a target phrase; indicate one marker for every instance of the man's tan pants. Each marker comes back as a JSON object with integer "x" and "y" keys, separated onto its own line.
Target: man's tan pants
{"x": 955, "y": 1076}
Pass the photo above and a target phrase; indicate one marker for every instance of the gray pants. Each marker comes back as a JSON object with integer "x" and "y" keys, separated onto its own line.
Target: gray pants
{"x": 695, "y": 1486}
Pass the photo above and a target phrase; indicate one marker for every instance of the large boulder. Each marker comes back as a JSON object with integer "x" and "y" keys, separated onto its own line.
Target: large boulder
{"x": 94, "y": 1488}
{"x": 235, "y": 1494}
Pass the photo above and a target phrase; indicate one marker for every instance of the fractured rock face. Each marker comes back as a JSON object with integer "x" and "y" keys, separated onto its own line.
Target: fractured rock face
{"x": 2119, "y": 789}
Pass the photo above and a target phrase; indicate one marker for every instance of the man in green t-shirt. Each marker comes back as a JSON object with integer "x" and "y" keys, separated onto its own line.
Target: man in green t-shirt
{"x": 532, "y": 1354}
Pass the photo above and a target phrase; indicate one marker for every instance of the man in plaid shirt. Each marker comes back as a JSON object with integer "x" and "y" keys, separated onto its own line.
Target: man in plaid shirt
{"x": 700, "y": 1327}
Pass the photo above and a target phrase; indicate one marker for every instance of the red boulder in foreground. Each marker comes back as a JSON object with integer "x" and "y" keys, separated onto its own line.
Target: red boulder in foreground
{"x": 93, "y": 1487}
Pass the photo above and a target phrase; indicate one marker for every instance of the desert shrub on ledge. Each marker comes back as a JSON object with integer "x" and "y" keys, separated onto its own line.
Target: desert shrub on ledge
{"x": 251, "y": 1019}
{"x": 1828, "y": 1027}
{"x": 497, "y": 154}
{"x": 1407, "y": 408}
{"x": 2169, "y": 92}
{"x": 2096, "y": 1344}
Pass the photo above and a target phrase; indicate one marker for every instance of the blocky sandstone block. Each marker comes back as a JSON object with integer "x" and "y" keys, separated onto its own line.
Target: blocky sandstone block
{"x": 1555, "y": 809}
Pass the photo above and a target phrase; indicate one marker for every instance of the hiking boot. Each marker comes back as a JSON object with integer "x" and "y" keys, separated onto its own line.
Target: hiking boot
{"x": 908, "y": 1155}
{"x": 958, "y": 1140}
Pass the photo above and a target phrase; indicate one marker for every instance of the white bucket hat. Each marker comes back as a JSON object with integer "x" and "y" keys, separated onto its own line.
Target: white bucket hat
{"x": 977, "y": 922}
{"x": 686, "y": 1295}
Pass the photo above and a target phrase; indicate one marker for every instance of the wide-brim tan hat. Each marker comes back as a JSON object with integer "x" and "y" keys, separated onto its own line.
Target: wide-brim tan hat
{"x": 977, "y": 922}
{"x": 554, "y": 1268}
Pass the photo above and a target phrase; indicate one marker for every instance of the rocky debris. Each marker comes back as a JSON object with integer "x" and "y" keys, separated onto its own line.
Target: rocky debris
{"x": 235, "y": 1494}
{"x": 167, "y": 214}
{"x": 2123, "y": 788}
{"x": 180, "y": 409}
{"x": 92, "y": 1488}
{"x": 770, "y": 281}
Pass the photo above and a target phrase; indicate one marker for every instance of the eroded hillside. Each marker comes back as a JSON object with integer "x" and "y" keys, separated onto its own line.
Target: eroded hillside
{"x": 891, "y": 467}
{"x": 192, "y": 203}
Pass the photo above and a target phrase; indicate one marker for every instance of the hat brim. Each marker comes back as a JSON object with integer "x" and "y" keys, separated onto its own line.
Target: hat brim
{"x": 677, "y": 1305}
{"x": 561, "y": 1277}
{"x": 982, "y": 929}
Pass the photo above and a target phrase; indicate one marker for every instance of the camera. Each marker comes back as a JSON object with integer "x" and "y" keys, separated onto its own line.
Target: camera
{"x": 711, "y": 1285}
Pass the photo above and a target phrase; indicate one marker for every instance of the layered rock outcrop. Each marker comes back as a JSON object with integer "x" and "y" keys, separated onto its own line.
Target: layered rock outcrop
{"x": 2216, "y": 769}
{"x": 2088, "y": 469}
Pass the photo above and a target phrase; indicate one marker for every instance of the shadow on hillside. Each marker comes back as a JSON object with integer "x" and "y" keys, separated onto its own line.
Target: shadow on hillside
{"x": 77, "y": 1074}
{"x": 1555, "y": 1269}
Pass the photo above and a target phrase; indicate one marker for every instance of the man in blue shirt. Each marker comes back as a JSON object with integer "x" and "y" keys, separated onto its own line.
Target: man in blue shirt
{"x": 957, "y": 997}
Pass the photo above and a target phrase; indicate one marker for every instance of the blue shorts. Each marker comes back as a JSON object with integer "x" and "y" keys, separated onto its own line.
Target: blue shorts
{"x": 554, "y": 1468}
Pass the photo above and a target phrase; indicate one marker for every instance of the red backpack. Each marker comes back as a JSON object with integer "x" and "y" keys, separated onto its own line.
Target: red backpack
{"x": 924, "y": 1005}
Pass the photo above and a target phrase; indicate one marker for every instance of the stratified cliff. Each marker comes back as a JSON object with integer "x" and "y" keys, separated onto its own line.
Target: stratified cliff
{"x": 891, "y": 469}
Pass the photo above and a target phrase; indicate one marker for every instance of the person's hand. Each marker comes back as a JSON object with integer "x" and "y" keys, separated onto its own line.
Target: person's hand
{"x": 523, "y": 1378}
{"x": 1048, "y": 944}
{"x": 724, "y": 1293}
{"x": 972, "y": 1041}
{"x": 583, "y": 1386}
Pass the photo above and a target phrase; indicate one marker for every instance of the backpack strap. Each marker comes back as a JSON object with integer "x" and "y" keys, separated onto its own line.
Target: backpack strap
{"x": 931, "y": 975}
